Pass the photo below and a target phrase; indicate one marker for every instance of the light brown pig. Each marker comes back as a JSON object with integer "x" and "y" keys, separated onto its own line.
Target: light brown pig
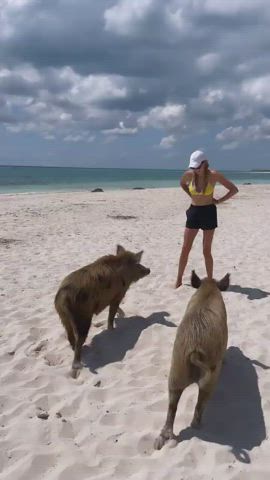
{"x": 199, "y": 348}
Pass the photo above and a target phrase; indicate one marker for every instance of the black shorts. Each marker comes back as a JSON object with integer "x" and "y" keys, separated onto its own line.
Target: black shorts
{"x": 204, "y": 217}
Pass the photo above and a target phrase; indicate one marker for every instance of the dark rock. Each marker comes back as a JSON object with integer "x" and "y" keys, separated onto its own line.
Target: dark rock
{"x": 97, "y": 190}
{"x": 138, "y": 188}
{"x": 8, "y": 241}
{"x": 247, "y": 183}
{"x": 122, "y": 217}
{"x": 43, "y": 415}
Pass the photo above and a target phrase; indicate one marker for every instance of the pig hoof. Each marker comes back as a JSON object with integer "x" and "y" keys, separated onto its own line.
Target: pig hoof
{"x": 120, "y": 312}
{"x": 159, "y": 442}
{"x": 76, "y": 365}
{"x": 74, "y": 373}
{"x": 76, "y": 368}
{"x": 162, "y": 439}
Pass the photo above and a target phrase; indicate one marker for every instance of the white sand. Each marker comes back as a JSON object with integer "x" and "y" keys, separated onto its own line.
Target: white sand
{"x": 106, "y": 430}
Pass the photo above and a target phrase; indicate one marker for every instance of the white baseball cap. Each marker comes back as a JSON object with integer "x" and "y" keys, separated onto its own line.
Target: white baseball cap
{"x": 196, "y": 158}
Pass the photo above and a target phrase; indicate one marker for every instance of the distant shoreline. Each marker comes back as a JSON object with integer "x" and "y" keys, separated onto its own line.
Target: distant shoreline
{"x": 39, "y": 179}
{"x": 262, "y": 170}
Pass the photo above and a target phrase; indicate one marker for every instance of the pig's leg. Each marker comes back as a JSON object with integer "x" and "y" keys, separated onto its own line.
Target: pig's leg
{"x": 205, "y": 393}
{"x": 112, "y": 312}
{"x": 203, "y": 398}
{"x": 80, "y": 337}
{"x": 167, "y": 431}
{"x": 70, "y": 335}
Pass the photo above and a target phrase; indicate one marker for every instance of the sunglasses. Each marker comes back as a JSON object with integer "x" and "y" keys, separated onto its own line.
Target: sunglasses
{"x": 197, "y": 168}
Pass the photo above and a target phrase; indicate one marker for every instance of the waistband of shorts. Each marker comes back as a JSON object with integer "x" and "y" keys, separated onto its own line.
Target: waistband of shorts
{"x": 202, "y": 206}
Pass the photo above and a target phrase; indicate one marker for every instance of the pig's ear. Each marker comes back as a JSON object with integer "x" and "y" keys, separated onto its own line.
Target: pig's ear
{"x": 138, "y": 256}
{"x": 119, "y": 249}
{"x": 224, "y": 283}
{"x": 195, "y": 280}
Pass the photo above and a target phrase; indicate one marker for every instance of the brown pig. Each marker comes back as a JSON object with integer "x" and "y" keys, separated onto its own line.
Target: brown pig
{"x": 90, "y": 290}
{"x": 199, "y": 348}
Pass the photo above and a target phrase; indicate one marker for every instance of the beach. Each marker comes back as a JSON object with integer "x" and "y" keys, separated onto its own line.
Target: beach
{"x": 103, "y": 424}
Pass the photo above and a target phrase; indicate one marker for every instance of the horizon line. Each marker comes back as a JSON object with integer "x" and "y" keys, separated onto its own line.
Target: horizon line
{"x": 125, "y": 168}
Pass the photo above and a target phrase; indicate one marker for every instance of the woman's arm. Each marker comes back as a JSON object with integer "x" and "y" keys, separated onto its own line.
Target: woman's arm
{"x": 183, "y": 183}
{"x": 227, "y": 184}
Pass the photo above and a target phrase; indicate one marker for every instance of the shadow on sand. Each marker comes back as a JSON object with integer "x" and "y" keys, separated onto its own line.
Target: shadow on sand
{"x": 251, "y": 293}
{"x": 111, "y": 346}
{"x": 234, "y": 416}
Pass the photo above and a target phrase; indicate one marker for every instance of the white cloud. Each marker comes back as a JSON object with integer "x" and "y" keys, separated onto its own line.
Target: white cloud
{"x": 208, "y": 63}
{"x": 234, "y": 136}
{"x": 230, "y": 133}
{"x": 81, "y": 137}
{"x": 121, "y": 130}
{"x": 176, "y": 19}
{"x": 167, "y": 142}
{"x": 230, "y": 146}
{"x": 14, "y": 3}
{"x": 59, "y": 100}
{"x": 9, "y": 8}
{"x": 213, "y": 96}
{"x": 168, "y": 117}
{"x": 94, "y": 87}
{"x": 124, "y": 17}
{"x": 257, "y": 89}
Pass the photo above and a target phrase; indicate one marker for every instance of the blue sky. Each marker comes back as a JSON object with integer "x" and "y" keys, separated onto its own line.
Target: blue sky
{"x": 135, "y": 82}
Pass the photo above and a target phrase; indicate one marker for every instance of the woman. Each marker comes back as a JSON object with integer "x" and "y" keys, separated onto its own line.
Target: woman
{"x": 199, "y": 183}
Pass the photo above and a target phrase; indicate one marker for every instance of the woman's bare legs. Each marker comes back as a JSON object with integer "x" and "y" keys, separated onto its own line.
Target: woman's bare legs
{"x": 189, "y": 235}
{"x": 207, "y": 245}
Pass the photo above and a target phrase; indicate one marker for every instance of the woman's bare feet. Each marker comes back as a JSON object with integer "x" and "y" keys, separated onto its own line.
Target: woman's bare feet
{"x": 178, "y": 283}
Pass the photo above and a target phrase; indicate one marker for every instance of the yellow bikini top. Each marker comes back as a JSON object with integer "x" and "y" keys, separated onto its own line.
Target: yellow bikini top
{"x": 208, "y": 190}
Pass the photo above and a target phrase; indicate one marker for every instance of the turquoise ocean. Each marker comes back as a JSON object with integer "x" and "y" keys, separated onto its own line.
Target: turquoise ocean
{"x": 18, "y": 179}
